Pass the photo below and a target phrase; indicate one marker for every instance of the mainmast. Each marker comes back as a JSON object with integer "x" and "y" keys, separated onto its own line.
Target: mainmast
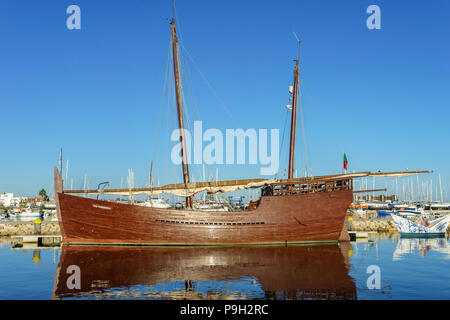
{"x": 176, "y": 71}
{"x": 294, "y": 117}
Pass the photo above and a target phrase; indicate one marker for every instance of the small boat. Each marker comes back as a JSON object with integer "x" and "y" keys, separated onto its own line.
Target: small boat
{"x": 156, "y": 203}
{"x": 408, "y": 228}
{"x": 211, "y": 205}
{"x": 411, "y": 211}
{"x": 358, "y": 205}
{"x": 359, "y": 212}
{"x": 376, "y": 205}
{"x": 398, "y": 206}
{"x": 439, "y": 206}
{"x": 50, "y": 216}
{"x": 27, "y": 214}
{"x": 384, "y": 213}
{"x": 50, "y": 206}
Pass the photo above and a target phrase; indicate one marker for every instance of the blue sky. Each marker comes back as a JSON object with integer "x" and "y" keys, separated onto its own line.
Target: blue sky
{"x": 382, "y": 96}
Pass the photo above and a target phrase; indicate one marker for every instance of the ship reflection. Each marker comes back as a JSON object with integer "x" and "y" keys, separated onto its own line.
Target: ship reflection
{"x": 421, "y": 246}
{"x": 292, "y": 272}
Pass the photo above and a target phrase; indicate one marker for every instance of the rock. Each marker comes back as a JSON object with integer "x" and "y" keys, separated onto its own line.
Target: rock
{"x": 380, "y": 225}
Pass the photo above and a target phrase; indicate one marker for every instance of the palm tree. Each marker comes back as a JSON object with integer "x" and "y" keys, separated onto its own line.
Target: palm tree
{"x": 43, "y": 195}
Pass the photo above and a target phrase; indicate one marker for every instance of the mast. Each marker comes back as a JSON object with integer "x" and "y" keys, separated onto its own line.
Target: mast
{"x": 176, "y": 71}
{"x": 294, "y": 117}
{"x": 60, "y": 162}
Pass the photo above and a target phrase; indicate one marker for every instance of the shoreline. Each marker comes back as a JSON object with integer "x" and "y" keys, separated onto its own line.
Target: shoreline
{"x": 380, "y": 225}
{"x": 15, "y": 228}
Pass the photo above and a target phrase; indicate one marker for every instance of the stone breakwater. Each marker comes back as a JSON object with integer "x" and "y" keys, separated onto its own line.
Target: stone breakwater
{"x": 52, "y": 228}
{"x": 378, "y": 225}
{"x": 27, "y": 228}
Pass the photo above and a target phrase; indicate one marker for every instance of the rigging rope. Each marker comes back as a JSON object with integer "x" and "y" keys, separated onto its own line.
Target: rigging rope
{"x": 282, "y": 137}
{"x": 158, "y": 132}
{"x": 305, "y": 147}
{"x": 186, "y": 70}
{"x": 188, "y": 123}
{"x": 321, "y": 119}
{"x": 210, "y": 87}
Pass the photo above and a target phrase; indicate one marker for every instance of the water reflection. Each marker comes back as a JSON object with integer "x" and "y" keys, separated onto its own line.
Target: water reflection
{"x": 292, "y": 272}
{"x": 422, "y": 246}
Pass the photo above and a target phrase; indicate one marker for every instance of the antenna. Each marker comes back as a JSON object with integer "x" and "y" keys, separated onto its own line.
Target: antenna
{"x": 173, "y": 10}
{"x": 299, "y": 42}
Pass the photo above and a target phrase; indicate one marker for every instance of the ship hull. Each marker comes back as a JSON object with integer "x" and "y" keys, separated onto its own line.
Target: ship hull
{"x": 301, "y": 218}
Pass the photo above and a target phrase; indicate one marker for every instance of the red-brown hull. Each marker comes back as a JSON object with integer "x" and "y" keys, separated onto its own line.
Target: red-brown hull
{"x": 301, "y": 218}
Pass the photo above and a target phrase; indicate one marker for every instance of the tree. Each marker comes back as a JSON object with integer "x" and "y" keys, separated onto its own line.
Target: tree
{"x": 43, "y": 195}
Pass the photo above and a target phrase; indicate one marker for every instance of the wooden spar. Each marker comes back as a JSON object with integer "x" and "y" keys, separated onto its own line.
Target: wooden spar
{"x": 226, "y": 183}
{"x": 177, "y": 186}
{"x": 180, "y": 108}
{"x": 294, "y": 118}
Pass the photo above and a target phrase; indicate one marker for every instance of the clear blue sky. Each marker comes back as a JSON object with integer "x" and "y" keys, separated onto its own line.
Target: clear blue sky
{"x": 383, "y": 95}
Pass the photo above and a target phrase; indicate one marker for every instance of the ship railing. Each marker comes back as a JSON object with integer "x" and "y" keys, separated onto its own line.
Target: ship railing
{"x": 286, "y": 188}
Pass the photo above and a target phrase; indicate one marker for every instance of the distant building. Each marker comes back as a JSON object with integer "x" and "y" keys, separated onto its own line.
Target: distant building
{"x": 8, "y": 199}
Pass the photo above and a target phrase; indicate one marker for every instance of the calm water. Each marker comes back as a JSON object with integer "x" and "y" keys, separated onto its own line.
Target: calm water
{"x": 409, "y": 269}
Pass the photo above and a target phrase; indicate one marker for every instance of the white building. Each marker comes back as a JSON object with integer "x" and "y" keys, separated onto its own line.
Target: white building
{"x": 8, "y": 199}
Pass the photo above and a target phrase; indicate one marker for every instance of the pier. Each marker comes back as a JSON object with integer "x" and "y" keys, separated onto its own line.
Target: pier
{"x": 38, "y": 238}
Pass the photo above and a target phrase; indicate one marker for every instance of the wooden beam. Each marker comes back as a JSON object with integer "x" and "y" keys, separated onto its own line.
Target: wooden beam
{"x": 228, "y": 183}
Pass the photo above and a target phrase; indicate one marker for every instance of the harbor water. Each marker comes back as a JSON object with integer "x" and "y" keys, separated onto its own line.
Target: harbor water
{"x": 379, "y": 268}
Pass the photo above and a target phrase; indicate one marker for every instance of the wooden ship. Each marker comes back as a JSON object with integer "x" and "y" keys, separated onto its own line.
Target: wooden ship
{"x": 292, "y": 210}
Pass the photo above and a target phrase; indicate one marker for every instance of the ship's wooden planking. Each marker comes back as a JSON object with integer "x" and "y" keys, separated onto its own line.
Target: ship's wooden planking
{"x": 310, "y": 217}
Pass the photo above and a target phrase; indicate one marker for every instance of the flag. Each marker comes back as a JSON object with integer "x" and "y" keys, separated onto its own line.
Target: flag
{"x": 345, "y": 161}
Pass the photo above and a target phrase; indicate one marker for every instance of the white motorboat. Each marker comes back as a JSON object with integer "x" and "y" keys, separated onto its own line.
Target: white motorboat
{"x": 411, "y": 211}
{"x": 156, "y": 203}
{"x": 211, "y": 205}
{"x": 408, "y": 228}
{"x": 359, "y": 211}
{"x": 27, "y": 214}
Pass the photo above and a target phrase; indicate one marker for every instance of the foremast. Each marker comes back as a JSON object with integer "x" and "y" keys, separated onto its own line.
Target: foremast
{"x": 179, "y": 97}
{"x": 294, "y": 117}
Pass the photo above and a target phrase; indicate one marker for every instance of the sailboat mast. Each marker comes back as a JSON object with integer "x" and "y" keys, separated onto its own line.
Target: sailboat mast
{"x": 176, "y": 71}
{"x": 294, "y": 117}
{"x": 60, "y": 163}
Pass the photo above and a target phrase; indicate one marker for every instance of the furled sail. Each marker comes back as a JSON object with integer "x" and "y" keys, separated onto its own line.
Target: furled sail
{"x": 193, "y": 188}
{"x": 183, "y": 190}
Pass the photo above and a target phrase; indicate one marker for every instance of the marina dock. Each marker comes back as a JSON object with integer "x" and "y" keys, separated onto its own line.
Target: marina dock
{"x": 38, "y": 238}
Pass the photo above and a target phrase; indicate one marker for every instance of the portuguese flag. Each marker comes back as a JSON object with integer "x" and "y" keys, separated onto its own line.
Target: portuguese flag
{"x": 345, "y": 161}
